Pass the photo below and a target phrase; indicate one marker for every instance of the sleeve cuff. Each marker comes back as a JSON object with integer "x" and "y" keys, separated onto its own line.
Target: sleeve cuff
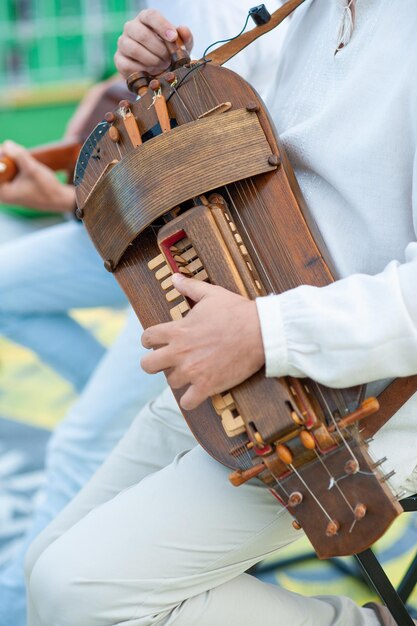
{"x": 273, "y": 337}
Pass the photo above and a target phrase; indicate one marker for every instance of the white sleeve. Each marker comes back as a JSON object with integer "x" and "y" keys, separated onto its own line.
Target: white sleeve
{"x": 359, "y": 329}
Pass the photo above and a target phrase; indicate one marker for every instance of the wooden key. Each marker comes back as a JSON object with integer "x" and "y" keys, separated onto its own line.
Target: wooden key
{"x": 177, "y": 313}
{"x": 172, "y": 295}
{"x": 233, "y": 425}
{"x": 163, "y": 272}
{"x": 156, "y": 262}
{"x": 167, "y": 283}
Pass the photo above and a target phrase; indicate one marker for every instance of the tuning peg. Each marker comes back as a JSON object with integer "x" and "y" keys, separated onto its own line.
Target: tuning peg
{"x": 296, "y": 498}
{"x": 138, "y": 83}
{"x": 388, "y": 476}
{"x": 124, "y": 104}
{"x": 307, "y": 440}
{"x": 110, "y": 117}
{"x": 155, "y": 85}
{"x": 242, "y": 476}
{"x": 332, "y": 528}
{"x": 360, "y": 511}
{"x": 170, "y": 77}
{"x": 284, "y": 454}
{"x": 351, "y": 466}
{"x": 378, "y": 463}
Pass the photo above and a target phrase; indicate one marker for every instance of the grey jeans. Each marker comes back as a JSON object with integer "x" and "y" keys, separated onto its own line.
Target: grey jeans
{"x": 159, "y": 536}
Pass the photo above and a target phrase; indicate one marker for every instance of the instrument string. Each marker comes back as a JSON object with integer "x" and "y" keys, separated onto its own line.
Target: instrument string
{"x": 242, "y": 225}
{"x": 333, "y": 481}
{"x": 341, "y": 435}
{"x": 188, "y": 113}
{"x": 339, "y": 400}
{"x": 192, "y": 69}
{"x": 214, "y": 100}
{"x": 311, "y": 492}
{"x": 201, "y": 93}
{"x": 243, "y": 193}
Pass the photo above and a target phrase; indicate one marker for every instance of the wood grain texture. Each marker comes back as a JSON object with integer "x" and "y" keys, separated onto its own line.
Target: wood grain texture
{"x": 203, "y": 155}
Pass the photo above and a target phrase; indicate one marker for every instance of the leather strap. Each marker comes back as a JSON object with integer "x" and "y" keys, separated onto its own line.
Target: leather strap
{"x": 231, "y": 48}
{"x": 391, "y": 400}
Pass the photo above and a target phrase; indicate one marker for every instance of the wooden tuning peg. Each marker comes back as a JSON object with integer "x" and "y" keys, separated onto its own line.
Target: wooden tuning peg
{"x": 368, "y": 407}
{"x": 307, "y": 440}
{"x": 170, "y": 77}
{"x": 284, "y": 454}
{"x": 351, "y": 466}
{"x": 295, "y": 498}
{"x": 178, "y": 52}
{"x": 110, "y": 117}
{"x": 360, "y": 511}
{"x": 332, "y": 528}
{"x": 138, "y": 83}
{"x": 155, "y": 84}
{"x": 242, "y": 476}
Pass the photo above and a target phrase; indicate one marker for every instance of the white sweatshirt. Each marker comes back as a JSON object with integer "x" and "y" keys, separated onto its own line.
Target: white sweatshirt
{"x": 349, "y": 124}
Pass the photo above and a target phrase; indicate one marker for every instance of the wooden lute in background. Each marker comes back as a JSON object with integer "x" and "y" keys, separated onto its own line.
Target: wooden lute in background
{"x": 63, "y": 155}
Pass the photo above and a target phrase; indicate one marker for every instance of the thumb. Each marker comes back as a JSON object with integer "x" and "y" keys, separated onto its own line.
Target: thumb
{"x": 23, "y": 159}
{"x": 194, "y": 289}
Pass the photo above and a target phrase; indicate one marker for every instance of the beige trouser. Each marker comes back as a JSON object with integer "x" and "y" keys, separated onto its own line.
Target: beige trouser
{"x": 141, "y": 545}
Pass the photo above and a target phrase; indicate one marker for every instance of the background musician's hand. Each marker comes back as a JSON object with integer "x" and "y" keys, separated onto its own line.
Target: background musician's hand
{"x": 217, "y": 345}
{"x": 142, "y": 46}
{"x": 35, "y": 185}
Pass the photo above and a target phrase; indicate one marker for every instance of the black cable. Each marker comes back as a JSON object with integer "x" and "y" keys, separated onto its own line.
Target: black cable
{"x": 226, "y": 40}
{"x": 192, "y": 69}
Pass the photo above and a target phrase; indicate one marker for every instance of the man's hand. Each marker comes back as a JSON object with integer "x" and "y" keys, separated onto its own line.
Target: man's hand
{"x": 35, "y": 186}
{"x": 215, "y": 347}
{"x": 142, "y": 46}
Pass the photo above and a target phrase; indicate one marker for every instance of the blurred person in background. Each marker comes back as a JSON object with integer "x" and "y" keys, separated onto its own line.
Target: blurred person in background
{"x": 58, "y": 269}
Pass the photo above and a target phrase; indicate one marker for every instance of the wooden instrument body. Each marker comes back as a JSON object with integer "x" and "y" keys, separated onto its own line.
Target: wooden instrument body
{"x": 268, "y": 215}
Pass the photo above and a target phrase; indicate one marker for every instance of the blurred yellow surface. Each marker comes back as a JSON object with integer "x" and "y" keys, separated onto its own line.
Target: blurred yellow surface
{"x": 33, "y": 393}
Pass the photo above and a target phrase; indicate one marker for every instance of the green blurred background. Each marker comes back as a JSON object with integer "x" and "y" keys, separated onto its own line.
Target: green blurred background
{"x": 51, "y": 51}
